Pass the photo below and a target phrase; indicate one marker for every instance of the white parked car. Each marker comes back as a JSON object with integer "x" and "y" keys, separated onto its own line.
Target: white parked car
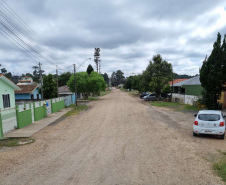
{"x": 209, "y": 122}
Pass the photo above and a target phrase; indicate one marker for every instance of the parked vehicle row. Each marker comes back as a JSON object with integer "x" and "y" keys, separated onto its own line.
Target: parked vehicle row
{"x": 209, "y": 122}
{"x": 148, "y": 96}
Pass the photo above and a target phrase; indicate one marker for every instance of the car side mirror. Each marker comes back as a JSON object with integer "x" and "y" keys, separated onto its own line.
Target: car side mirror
{"x": 195, "y": 115}
{"x": 224, "y": 116}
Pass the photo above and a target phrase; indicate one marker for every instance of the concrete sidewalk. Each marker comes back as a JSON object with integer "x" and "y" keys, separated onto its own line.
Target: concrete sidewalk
{"x": 31, "y": 129}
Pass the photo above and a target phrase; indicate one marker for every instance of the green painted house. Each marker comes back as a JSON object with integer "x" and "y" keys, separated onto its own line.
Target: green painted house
{"x": 188, "y": 91}
{"x": 8, "y": 120}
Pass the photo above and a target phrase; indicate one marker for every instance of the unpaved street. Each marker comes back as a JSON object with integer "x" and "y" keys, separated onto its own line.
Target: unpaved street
{"x": 119, "y": 140}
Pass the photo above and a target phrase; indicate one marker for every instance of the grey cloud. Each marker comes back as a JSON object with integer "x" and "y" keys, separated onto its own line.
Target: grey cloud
{"x": 79, "y": 26}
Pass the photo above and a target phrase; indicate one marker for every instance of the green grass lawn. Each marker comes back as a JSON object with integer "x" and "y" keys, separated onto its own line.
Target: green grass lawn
{"x": 11, "y": 142}
{"x": 175, "y": 106}
{"x": 220, "y": 168}
{"x": 75, "y": 110}
{"x": 135, "y": 93}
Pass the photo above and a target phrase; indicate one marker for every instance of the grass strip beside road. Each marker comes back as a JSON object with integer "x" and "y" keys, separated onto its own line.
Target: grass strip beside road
{"x": 75, "y": 110}
{"x": 12, "y": 142}
{"x": 174, "y": 105}
{"x": 221, "y": 168}
{"x": 134, "y": 93}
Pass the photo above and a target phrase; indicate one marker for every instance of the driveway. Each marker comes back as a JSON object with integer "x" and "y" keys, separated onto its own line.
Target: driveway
{"x": 119, "y": 140}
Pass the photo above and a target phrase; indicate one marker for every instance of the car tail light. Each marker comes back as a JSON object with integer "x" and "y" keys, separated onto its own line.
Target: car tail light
{"x": 196, "y": 123}
{"x": 221, "y": 124}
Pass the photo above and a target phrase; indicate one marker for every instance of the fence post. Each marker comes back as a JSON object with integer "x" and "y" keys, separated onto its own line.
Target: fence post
{"x": 18, "y": 122}
{"x": 34, "y": 110}
{"x": 51, "y": 105}
{"x": 1, "y": 129}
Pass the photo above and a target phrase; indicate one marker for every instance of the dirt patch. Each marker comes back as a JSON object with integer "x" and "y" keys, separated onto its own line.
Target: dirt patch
{"x": 121, "y": 140}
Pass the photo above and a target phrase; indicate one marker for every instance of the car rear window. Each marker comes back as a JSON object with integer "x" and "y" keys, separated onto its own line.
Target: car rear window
{"x": 209, "y": 117}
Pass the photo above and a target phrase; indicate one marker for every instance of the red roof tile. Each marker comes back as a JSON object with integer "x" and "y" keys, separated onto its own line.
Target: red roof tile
{"x": 177, "y": 81}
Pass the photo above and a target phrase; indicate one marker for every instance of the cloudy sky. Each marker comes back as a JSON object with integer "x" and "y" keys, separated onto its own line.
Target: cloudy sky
{"x": 129, "y": 33}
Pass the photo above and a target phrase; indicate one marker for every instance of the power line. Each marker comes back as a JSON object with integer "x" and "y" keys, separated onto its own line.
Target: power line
{"x": 32, "y": 32}
{"x": 11, "y": 30}
{"x": 11, "y": 25}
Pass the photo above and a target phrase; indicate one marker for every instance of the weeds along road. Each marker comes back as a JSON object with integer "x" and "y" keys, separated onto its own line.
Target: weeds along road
{"x": 119, "y": 140}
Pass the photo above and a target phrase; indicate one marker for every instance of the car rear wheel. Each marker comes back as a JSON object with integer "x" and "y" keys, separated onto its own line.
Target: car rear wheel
{"x": 222, "y": 136}
{"x": 194, "y": 134}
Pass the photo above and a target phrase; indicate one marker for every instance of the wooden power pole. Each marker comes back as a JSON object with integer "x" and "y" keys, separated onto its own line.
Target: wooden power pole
{"x": 57, "y": 82}
{"x": 75, "y": 84}
{"x": 40, "y": 74}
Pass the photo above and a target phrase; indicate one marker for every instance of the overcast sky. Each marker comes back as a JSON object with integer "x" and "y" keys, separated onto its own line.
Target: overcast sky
{"x": 129, "y": 33}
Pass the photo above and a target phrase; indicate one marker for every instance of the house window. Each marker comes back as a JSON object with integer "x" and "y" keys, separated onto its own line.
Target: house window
{"x": 38, "y": 96}
{"x": 6, "y": 100}
{"x": 32, "y": 96}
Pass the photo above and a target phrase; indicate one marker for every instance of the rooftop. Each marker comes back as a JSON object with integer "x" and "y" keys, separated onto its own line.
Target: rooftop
{"x": 177, "y": 81}
{"x": 9, "y": 82}
{"x": 64, "y": 89}
{"x": 191, "y": 81}
{"x": 25, "y": 89}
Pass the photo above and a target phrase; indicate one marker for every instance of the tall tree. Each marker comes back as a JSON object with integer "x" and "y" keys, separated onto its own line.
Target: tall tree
{"x": 87, "y": 84}
{"x": 128, "y": 83}
{"x": 3, "y": 70}
{"x": 106, "y": 78}
{"x": 212, "y": 74}
{"x": 96, "y": 59}
{"x": 89, "y": 69}
{"x": 120, "y": 77}
{"x": 161, "y": 73}
{"x": 63, "y": 78}
{"x": 136, "y": 82}
{"x": 49, "y": 87}
{"x": 113, "y": 79}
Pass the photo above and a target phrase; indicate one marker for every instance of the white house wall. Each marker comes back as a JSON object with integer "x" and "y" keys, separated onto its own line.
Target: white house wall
{"x": 180, "y": 98}
{"x": 189, "y": 99}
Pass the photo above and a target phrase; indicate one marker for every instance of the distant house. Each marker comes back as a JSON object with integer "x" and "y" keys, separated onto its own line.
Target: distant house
{"x": 25, "y": 80}
{"x": 120, "y": 86}
{"x": 187, "y": 91}
{"x": 28, "y": 92}
{"x": 65, "y": 91}
{"x": 8, "y": 119}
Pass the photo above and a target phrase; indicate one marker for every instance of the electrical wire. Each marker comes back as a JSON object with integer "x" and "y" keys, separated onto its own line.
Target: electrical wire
{"x": 30, "y": 31}
{"x": 11, "y": 27}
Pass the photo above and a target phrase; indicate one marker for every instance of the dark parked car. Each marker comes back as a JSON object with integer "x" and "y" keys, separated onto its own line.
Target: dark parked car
{"x": 143, "y": 94}
{"x": 151, "y": 97}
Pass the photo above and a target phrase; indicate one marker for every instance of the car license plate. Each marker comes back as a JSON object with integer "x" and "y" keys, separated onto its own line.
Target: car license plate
{"x": 208, "y": 131}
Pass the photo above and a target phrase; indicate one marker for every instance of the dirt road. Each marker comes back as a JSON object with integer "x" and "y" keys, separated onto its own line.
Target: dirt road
{"x": 119, "y": 140}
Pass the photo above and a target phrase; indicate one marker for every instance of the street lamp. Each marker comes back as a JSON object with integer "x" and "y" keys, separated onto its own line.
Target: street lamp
{"x": 75, "y": 79}
{"x": 83, "y": 62}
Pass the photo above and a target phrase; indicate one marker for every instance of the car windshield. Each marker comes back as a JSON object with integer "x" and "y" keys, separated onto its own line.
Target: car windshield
{"x": 209, "y": 117}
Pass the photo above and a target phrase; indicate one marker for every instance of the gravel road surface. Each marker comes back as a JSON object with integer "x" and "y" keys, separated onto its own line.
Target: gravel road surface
{"x": 119, "y": 140}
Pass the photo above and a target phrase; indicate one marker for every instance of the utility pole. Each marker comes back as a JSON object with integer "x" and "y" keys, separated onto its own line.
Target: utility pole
{"x": 57, "y": 82}
{"x": 75, "y": 85}
{"x": 99, "y": 66}
{"x": 109, "y": 83}
{"x": 40, "y": 74}
{"x": 172, "y": 90}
